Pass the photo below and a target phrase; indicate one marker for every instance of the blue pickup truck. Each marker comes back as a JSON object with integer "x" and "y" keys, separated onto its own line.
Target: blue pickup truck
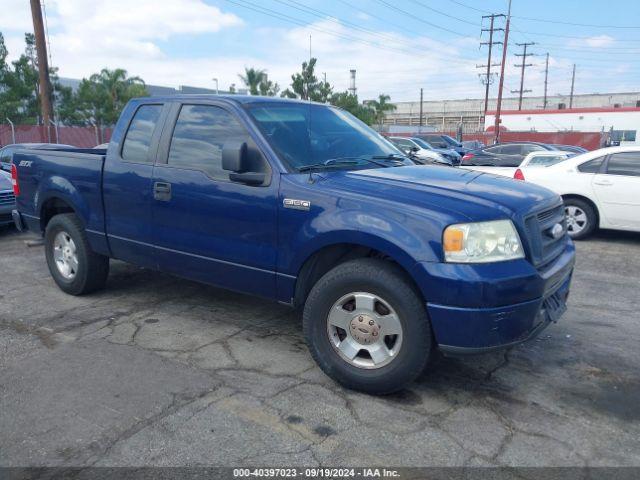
{"x": 302, "y": 203}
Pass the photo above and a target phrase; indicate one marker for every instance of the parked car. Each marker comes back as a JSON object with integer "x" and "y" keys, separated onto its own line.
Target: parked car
{"x": 420, "y": 152}
{"x": 451, "y": 156}
{"x": 570, "y": 148}
{"x": 504, "y": 154}
{"x": 534, "y": 159}
{"x": 599, "y": 188}
{"x": 7, "y": 151}
{"x": 440, "y": 141}
{"x": 389, "y": 260}
{"x": 7, "y": 199}
{"x": 471, "y": 145}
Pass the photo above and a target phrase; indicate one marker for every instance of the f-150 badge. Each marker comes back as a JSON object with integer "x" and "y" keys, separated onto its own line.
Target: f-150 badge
{"x": 296, "y": 204}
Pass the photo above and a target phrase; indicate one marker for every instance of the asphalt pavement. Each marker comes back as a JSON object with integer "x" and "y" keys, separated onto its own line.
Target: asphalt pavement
{"x": 156, "y": 370}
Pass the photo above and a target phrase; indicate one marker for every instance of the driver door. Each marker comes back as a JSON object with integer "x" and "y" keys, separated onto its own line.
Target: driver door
{"x": 207, "y": 227}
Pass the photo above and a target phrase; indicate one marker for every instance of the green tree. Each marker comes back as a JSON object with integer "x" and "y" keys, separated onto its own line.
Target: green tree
{"x": 19, "y": 85}
{"x": 268, "y": 88}
{"x": 100, "y": 98}
{"x": 252, "y": 78}
{"x": 349, "y": 102}
{"x": 380, "y": 107}
{"x": 306, "y": 86}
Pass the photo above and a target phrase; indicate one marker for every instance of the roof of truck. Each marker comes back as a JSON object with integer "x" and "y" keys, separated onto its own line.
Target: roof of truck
{"x": 244, "y": 99}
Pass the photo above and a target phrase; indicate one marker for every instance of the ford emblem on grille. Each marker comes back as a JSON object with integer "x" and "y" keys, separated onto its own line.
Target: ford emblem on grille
{"x": 556, "y": 231}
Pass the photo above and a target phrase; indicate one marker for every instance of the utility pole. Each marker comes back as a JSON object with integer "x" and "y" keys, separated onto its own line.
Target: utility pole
{"x": 546, "y": 78}
{"x": 487, "y": 80}
{"x": 523, "y": 65}
{"x": 573, "y": 81}
{"x": 420, "y": 123}
{"x": 501, "y": 84}
{"x": 43, "y": 66}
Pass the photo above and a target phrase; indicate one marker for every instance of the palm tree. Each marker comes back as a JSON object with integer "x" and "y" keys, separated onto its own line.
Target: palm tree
{"x": 381, "y": 107}
{"x": 252, "y": 78}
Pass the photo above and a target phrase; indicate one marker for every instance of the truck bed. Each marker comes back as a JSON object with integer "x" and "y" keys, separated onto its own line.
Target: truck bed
{"x": 73, "y": 175}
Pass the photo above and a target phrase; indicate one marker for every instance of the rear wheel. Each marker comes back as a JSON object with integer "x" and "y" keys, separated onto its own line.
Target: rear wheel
{"x": 366, "y": 326}
{"x": 73, "y": 265}
{"x": 581, "y": 218}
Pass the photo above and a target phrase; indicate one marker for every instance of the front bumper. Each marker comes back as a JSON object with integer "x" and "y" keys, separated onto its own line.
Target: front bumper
{"x": 495, "y": 306}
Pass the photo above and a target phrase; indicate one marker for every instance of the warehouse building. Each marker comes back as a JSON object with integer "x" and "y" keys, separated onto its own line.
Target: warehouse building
{"x": 446, "y": 115}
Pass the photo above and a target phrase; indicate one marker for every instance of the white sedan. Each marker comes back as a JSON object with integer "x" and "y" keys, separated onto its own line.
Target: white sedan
{"x": 544, "y": 158}
{"x": 599, "y": 189}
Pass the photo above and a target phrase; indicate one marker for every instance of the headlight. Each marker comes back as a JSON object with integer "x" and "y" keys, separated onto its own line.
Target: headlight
{"x": 481, "y": 242}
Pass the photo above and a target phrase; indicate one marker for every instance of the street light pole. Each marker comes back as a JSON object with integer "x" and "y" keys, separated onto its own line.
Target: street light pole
{"x": 216, "y": 80}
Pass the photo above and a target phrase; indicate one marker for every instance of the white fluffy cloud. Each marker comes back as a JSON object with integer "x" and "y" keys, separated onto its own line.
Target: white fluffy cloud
{"x": 87, "y": 36}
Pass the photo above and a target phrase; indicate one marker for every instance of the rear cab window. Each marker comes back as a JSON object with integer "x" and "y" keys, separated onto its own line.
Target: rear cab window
{"x": 137, "y": 140}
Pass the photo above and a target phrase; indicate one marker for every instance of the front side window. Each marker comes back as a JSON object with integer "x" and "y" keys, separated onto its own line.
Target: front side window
{"x": 199, "y": 137}
{"x": 437, "y": 142}
{"x": 494, "y": 149}
{"x": 627, "y": 164}
{"x": 311, "y": 134}
{"x": 138, "y": 138}
{"x": 526, "y": 149}
{"x": 592, "y": 166}
{"x": 511, "y": 150}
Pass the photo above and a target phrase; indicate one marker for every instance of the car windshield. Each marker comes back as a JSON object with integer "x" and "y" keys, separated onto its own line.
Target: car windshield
{"x": 313, "y": 135}
{"x": 422, "y": 143}
{"x": 451, "y": 141}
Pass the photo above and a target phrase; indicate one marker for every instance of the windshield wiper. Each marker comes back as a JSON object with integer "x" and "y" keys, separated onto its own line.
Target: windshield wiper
{"x": 332, "y": 162}
{"x": 354, "y": 160}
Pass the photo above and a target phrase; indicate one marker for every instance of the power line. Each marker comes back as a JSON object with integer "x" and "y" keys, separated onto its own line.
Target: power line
{"x": 468, "y": 22}
{"x": 302, "y": 23}
{"x": 544, "y": 20}
{"x": 413, "y": 16}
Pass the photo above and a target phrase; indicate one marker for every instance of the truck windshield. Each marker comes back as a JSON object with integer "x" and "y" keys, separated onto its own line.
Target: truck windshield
{"x": 306, "y": 135}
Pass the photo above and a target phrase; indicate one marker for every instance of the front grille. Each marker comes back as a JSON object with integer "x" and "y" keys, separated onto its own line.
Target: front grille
{"x": 544, "y": 247}
{"x": 7, "y": 198}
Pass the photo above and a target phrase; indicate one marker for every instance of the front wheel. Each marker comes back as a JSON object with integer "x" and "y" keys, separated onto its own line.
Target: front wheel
{"x": 367, "y": 327}
{"x": 73, "y": 265}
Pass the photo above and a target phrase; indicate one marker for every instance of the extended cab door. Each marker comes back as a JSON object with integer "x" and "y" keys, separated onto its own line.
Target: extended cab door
{"x": 618, "y": 190}
{"x": 207, "y": 227}
{"x": 127, "y": 181}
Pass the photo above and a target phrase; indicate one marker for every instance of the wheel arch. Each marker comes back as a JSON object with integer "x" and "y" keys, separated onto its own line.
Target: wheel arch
{"x": 328, "y": 256}
{"x": 587, "y": 200}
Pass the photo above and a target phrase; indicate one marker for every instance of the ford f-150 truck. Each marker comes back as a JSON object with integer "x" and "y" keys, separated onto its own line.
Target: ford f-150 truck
{"x": 302, "y": 203}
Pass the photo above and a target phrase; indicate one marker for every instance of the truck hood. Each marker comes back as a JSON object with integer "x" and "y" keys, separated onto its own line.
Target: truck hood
{"x": 475, "y": 195}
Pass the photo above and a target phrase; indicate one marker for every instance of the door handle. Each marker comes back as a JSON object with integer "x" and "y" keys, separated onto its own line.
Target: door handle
{"x": 162, "y": 191}
{"x": 604, "y": 183}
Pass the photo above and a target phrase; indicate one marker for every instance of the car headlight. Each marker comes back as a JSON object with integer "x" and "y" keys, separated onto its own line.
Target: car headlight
{"x": 482, "y": 242}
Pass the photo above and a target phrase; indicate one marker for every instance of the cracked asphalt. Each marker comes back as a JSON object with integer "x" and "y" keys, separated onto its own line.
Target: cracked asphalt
{"x": 160, "y": 371}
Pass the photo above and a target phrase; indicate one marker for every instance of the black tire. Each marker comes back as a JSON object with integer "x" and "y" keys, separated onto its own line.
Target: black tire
{"x": 92, "y": 270}
{"x": 590, "y": 213}
{"x": 386, "y": 280}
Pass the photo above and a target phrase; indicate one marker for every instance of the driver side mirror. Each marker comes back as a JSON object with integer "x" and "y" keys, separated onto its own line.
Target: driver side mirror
{"x": 414, "y": 149}
{"x": 235, "y": 159}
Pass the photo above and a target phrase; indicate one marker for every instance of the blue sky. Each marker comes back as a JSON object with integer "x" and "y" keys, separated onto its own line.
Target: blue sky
{"x": 396, "y": 46}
